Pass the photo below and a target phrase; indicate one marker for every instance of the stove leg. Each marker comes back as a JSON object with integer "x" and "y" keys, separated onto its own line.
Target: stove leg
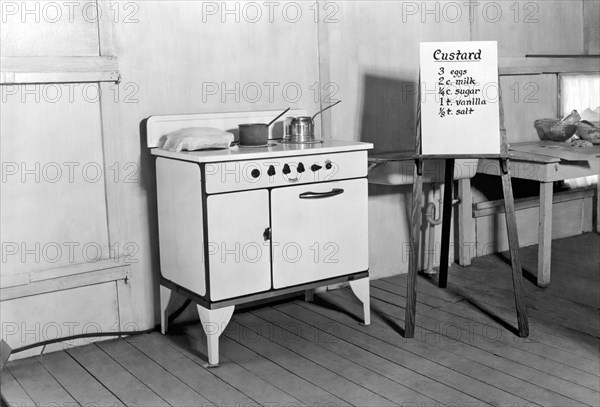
{"x": 360, "y": 288}
{"x": 309, "y": 295}
{"x": 214, "y": 323}
{"x": 165, "y": 297}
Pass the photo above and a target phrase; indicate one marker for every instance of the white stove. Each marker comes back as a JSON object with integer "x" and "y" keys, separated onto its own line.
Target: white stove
{"x": 245, "y": 224}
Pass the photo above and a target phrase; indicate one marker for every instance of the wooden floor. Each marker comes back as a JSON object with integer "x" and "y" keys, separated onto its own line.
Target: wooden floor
{"x": 317, "y": 354}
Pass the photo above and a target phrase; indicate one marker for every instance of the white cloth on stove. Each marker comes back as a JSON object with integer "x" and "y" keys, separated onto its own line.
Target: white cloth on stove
{"x": 196, "y": 138}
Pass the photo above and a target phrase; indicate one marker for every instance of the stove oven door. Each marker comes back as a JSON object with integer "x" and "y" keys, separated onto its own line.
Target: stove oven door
{"x": 239, "y": 257}
{"x": 319, "y": 231}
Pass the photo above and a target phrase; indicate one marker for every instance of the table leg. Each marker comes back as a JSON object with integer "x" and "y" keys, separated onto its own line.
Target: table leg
{"x": 466, "y": 223}
{"x": 545, "y": 235}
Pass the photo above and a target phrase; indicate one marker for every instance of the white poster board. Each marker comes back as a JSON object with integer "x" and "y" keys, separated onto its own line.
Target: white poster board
{"x": 460, "y": 98}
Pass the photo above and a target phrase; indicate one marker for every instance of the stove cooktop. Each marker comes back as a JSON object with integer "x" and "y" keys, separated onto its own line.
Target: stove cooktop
{"x": 157, "y": 126}
{"x": 276, "y": 149}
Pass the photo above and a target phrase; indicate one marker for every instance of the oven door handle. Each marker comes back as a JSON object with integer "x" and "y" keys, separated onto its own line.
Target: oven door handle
{"x": 320, "y": 195}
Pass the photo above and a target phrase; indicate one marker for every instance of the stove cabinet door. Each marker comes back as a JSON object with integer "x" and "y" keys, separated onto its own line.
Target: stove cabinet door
{"x": 239, "y": 258}
{"x": 319, "y": 231}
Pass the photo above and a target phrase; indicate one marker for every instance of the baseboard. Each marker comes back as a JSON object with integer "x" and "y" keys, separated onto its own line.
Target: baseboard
{"x": 53, "y": 304}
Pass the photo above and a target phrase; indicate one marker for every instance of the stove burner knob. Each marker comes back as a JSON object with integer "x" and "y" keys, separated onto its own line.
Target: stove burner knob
{"x": 315, "y": 167}
{"x": 271, "y": 171}
{"x": 286, "y": 169}
{"x": 300, "y": 168}
{"x": 328, "y": 165}
{"x": 255, "y": 173}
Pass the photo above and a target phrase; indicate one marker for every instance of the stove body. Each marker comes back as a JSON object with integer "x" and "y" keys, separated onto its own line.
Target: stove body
{"x": 253, "y": 223}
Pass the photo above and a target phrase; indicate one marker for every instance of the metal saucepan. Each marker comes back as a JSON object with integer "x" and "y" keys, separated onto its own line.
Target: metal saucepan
{"x": 302, "y": 128}
{"x": 256, "y": 134}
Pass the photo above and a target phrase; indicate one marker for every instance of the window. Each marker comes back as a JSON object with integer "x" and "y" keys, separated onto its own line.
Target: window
{"x": 581, "y": 92}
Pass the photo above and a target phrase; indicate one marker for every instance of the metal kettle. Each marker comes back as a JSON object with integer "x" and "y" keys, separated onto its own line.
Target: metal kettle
{"x": 302, "y": 128}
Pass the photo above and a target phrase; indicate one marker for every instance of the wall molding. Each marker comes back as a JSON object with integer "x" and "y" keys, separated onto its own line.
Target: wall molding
{"x": 63, "y": 278}
{"x": 523, "y": 65}
{"x": 68, "y": 69}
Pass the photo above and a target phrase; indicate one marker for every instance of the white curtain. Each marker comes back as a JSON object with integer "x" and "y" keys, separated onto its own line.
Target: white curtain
{"x": 579, "y": 92}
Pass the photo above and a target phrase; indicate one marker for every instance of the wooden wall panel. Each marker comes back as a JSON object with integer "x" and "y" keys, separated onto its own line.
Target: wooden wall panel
{"x": 373, "y": 61}
{"x": 530, "y": 27}
{"x": 527, "y": 98}
{"x": 52, "y": 198}
{"x": 182, "y": 57}
{"x": 59, "y": 314}
{"x": 49, "y": 28}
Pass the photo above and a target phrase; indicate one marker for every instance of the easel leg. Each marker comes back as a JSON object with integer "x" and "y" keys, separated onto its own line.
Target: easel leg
{"x": 214, "y": 323}
{"x": 165, "y": 298}
{"x": 545, "y": 235}
{"x": 413, "y": 255}
{"x": 360, "y": 288}
{"x": 446, "y": 222}
{"x": 513, "y": 243}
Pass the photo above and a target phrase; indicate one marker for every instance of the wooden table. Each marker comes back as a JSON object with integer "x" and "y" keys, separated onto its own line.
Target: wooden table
{"x": 546, "y": 162}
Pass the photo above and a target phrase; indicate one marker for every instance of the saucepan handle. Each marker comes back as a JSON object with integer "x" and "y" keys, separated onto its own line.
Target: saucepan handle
{"x": 320, "y": 195}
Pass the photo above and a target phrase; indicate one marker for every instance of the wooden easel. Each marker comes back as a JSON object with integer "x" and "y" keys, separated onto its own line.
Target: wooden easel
{"x": 415, "y": 219}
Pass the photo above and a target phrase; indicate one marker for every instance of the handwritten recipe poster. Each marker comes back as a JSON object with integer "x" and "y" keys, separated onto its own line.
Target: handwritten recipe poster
{"x": 459, "y": 98}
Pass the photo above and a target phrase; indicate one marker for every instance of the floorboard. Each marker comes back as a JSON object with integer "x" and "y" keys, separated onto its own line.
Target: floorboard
{"x": 82, "y": 386}
{"x": 12, "y": 391}
{"x": 296, "y": 353}
{"x": 338, "y": 385}
{"x": 164, "y": 384}
{"x": 246, "y": 384}
{"x": 115, "y": 377}
{"x": 303, "y": 390}
{"x": 478, "y": 325}
{"x": 39, "y": 385}
{"x": 289, "y": 335}
{"x": 461, "y": 338}
{"x": 414, "y": 387}
{"x": 556, "y": 332}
